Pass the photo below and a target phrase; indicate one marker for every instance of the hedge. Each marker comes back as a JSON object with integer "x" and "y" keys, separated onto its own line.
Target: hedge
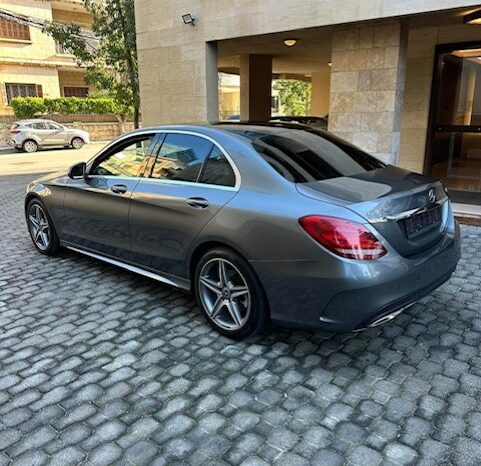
{"x": 29, "y": 107}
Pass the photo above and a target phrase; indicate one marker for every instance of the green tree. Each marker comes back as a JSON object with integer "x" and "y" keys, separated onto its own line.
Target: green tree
{"x": 109, "y": 55}
{"x": 294, "y": 96}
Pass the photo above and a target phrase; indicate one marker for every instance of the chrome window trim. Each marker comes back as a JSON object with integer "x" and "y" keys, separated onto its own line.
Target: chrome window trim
{"x": 236, "y": 171}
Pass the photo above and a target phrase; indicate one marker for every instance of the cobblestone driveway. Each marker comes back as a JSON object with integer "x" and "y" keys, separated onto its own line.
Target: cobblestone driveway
{"x": 98, "y": 365}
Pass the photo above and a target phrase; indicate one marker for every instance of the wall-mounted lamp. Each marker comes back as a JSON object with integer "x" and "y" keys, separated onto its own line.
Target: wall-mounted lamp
{"x": 473, "y": 18}
{"x": 290, "y": 42}
{"x": 188, "y": 19}
{"x": 329, "y": 63}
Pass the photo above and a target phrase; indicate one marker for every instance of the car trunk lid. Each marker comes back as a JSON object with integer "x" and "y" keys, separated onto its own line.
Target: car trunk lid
{"x": 407, "y": 209}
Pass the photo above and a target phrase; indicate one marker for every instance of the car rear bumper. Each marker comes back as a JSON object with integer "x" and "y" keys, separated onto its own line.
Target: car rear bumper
{"x": 353, "y": 296}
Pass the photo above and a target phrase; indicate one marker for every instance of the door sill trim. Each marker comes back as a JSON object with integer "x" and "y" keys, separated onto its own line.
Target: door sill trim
{"x": 131, "y": 268}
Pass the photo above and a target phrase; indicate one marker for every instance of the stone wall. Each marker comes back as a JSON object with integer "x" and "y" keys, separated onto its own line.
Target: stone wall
{"x": 367, "y": 83}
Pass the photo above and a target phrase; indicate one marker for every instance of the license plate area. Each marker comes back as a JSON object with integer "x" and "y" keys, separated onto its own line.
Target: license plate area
{"x": 420, "y": 223}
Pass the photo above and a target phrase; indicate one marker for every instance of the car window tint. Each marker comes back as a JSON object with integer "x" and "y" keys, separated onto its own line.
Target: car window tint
{"x": 52, "y": 126}
{"x": 129, "y": 159}
{"x": 217, "y": 170}
{"x": 303, "y": 155}
{"x": 181, "y": 157}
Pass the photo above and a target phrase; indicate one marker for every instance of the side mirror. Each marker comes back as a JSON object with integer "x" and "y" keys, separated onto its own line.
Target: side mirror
{"x": 79, "y": 170}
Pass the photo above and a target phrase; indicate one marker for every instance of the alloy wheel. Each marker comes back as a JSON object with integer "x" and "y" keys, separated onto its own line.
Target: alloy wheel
{"x": 77, "y": 143}
{"x": 30, "y": 146}
{"x": 39, "y": 227}
{"x": 224, "y": 294}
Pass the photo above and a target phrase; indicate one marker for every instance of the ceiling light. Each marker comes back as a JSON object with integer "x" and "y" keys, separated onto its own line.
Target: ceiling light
{"x": 188, "y": 19}
{"x": 473, "y": 18}
{"x": 290, "y": 42}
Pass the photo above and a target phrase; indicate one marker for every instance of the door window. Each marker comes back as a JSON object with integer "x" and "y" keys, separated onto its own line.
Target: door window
{"x": 128, "y": 159}
{"x": 53, "y": 126}
{"x": 181, "y": 157}
{"x": 39, "y": 125}
{"x": 217, "y": 170}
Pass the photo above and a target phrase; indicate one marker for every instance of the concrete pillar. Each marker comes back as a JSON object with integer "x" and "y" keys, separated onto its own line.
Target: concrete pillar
{"x": 211, "y": 82}
{"x": 255, "y": 87}
{"x": 321, "y": 84}
{"x": 367, "y": 86}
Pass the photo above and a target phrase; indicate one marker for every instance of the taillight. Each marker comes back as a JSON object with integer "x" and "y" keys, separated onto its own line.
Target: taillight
{"x": 14, "y": 131}
{"x": 343, "y": 237}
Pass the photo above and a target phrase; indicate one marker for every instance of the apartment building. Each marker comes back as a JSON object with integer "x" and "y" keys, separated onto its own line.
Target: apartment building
{"x": 31, "y": 62}
{"x": 400, "y": 78}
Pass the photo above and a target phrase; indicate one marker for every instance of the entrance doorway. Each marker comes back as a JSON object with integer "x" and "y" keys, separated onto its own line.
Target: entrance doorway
{"x": 454, "y": 139}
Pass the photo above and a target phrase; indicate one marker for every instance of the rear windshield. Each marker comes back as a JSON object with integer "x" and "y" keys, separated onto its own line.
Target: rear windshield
{"x": 306, "y": 155}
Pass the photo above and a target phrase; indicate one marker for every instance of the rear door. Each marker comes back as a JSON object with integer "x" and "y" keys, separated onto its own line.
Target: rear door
{"x": 96, "y": 209}
{"x": 192, "y": 178}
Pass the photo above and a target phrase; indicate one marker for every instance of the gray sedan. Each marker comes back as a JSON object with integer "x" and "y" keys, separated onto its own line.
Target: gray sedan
{"x": 263, "y": 223}
{"x": 29, "y": 135}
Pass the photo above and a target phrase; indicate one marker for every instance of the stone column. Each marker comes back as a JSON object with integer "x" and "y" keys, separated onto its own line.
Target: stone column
{"x": 367, "y": 86}
{"x": 255, "y": 87}
{"x": 320, "y": 81}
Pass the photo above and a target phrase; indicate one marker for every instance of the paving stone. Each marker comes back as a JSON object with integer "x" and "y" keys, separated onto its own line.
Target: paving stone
{"x": 100, "y": 366}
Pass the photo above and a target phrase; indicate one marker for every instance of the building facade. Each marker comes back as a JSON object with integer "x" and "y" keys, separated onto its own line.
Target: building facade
{"x": 31, "y": 62}
{"x": 399, "y": 78}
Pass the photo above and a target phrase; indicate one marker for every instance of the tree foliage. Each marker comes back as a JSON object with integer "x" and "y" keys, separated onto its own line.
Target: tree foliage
{"x": 294, "y": 96}
{"x": 29, "y": 107}
{"x": 110, "y": 55}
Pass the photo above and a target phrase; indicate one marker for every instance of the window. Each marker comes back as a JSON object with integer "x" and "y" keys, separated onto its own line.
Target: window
{"x": 22, "y": 90}
{"x": 181, "y": 157}
{"x": 217, "y": 170}
{"x": 53, "y": 126}
{"x": 128, "y": 159}
{"x": 306, "y": 155}
{"x": 75, "y": 91}
{"x": 13, "y": 30}
{"x": 37, "y": 125}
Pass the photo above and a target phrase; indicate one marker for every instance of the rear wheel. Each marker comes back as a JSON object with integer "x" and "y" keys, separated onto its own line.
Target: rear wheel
{"x": 77, "y": 143}
{"x": 41, "y": 228}
{"x": 230, "y": 294}
{"x": 30, "y": 146}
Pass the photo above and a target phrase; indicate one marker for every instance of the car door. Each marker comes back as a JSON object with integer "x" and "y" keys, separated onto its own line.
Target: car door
{"x": 55, "y": 134}
{"x": 39, "y": 130}
{"x": 96, "y": 207}
{"x": 192, "y": 178}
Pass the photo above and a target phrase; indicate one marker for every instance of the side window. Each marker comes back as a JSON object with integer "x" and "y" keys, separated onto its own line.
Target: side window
{"x": 181, "y": 157}
{"x": 38, "y": 126}
{"x": 52, "y": 126}
{"x": 217, "y": 170}
{"x": 128, "y": 159}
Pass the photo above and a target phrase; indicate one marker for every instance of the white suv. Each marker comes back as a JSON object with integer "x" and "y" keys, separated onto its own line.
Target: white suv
{"x": 29, "y": 135}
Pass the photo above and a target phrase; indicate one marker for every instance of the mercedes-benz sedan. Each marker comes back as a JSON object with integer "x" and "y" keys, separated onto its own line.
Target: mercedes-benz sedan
{"x": 262, "y": 222}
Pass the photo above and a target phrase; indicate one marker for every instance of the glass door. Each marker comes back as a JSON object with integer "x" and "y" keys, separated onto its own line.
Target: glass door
{"x": 454, "y": 146}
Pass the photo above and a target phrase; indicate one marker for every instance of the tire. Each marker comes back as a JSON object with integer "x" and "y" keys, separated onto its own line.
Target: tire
{"x": 29, "y": 146}
{"x": 77, "y": 143}
{"x": 229, "y": 309}
{"x": 48, "y": 247}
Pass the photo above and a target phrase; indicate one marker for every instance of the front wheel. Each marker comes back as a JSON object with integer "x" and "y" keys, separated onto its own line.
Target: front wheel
{"x": 77, "y": 143}
{"x": 41, "y": 228}
{"x": 230, "y": 294}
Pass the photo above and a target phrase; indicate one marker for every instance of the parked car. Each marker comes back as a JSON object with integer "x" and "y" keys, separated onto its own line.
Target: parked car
{"x": 261, "y": 222}
{"x": 313, "y": 121}
{"x": 30, "y": 135}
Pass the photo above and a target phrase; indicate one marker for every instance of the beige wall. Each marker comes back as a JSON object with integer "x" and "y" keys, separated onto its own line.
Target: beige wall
{"x": 321, "y": 84}
{"x": 71, "y": 78}
{"x": 419, "y": 73}
{"x": 45, "y": 76}
{"x": 172, "y": 56}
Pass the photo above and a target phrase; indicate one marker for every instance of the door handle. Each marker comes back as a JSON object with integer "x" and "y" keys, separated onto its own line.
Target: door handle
{"x": 118, "y": 188}
{"x": 198, "y": 202}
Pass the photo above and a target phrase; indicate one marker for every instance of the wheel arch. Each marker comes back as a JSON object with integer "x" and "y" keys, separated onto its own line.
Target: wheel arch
{"x": 76, "y": 136}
